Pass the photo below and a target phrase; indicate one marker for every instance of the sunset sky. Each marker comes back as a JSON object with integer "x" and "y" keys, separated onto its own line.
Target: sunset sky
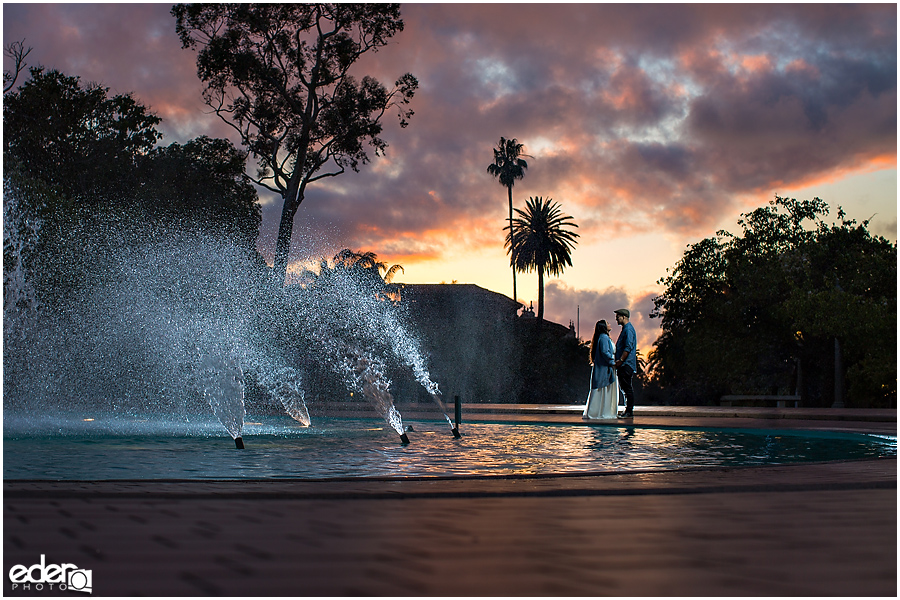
{"x": 652, "y": 125}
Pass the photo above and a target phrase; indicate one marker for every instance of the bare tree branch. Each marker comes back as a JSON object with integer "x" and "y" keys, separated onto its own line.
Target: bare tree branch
{"x": 17, "y": 52}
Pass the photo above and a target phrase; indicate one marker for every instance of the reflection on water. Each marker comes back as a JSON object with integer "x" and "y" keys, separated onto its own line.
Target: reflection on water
{"x": 277, "y": 447}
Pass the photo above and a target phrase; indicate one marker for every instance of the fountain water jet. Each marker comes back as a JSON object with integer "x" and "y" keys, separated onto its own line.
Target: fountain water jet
{"x": 286, "y": 385}
{"x": 223, "y": 388}
{"x": 165, "y": 319}
{"x": 406, "y": 347}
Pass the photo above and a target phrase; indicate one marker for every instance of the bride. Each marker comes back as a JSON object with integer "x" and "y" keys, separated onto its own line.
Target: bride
{"x": 604, "y": 393}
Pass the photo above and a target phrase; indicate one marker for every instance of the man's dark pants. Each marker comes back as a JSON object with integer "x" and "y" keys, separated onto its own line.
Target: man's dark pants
{"x": 625, "y": 374}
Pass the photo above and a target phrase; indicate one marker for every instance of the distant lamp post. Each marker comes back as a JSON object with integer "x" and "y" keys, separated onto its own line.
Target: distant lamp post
{"x": 838, "y": 376}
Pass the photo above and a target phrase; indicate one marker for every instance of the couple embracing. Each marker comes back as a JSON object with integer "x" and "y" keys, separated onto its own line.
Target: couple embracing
{"x": 613, "y": 369}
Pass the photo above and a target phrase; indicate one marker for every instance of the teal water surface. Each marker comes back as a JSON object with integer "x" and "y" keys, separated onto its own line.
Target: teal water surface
{"x": 278, "y": 447}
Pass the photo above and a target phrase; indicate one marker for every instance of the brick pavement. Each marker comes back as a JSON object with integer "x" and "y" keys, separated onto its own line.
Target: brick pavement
{"x": 815, "y": 529}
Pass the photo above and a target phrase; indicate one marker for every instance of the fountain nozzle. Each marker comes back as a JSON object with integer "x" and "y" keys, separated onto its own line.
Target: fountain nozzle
{"x": 455, "y": 431}
{"x": 239, "y": 443}
{"x": 404, "y": 439}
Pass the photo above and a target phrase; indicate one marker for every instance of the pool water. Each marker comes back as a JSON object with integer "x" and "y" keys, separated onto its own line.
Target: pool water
{"x": 278, "y": 447}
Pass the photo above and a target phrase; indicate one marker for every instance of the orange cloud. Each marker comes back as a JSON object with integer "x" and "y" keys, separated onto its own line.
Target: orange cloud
{"x": 755, "y": 63}
{"x": 660, "y": 121}
{"x": 864, "y": 165}
{"x": 799, "y": 65}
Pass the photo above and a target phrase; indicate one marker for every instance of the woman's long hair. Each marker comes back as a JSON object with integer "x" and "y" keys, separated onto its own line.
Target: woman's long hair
{"x": 600, "y": 327}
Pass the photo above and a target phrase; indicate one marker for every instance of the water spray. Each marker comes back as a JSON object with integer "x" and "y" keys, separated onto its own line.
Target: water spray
{"x": 454, "y": 429}
{"x": 172, "y": 302}
{"x": 222, "y": 382}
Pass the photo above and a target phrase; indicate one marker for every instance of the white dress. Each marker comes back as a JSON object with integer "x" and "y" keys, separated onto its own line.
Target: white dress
{"x": 602, "y": 401}
{"x": 601, "y": 404}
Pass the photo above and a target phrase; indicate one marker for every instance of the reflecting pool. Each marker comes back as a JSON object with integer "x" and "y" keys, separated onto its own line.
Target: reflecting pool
{"x": 97, "y": 448}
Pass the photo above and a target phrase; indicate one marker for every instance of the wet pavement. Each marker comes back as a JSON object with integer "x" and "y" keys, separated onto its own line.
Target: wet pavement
{"x": 820, "y": 529}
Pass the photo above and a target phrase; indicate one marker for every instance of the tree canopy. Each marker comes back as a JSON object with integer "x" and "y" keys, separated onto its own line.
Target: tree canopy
{"x": 201, "y": 182}
{"x": 363, "y": 267}
{"x": 77, "y": 138}
{"x": 758, "y": 313}
{"x": 85, "y": 163}
{"x": 279, "y": 75}
{"x": 538, "y": 240}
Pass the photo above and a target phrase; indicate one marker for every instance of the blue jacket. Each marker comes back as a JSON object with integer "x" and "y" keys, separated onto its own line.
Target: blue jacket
{"x": 604, "y": 372}
{"x": 627, "y": 340}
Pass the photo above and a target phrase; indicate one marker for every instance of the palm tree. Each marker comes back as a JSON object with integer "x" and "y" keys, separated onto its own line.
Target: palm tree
{"x": 508, "y": 166}
{"x": 538, "y": 241}
{"x": 368, "y": 265}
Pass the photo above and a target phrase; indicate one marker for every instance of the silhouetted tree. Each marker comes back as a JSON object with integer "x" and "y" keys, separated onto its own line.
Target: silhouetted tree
{"x": 279, "y": 74}
{"x": 367, "y": 269}
{"x": 367, "y": 262}
{"x": 201, "y": 183}
{"x": 509, "y": 166}
{"x": 539, "y": 241}
{"x": 84, "y": 162}
{"x": 845, "y": 290}
{"x": 76, "y": 138}
{"x": 758, "y": 313}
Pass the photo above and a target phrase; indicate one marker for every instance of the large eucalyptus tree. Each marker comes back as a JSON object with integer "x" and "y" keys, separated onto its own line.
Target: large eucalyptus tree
{"x": 279, "y": 75}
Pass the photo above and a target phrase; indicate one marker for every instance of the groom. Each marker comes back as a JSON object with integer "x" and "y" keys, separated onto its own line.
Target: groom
{"x": 626, "y": 359}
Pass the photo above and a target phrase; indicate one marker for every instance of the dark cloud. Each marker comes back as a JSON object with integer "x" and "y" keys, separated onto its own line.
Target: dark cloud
{"x": 130, "y": 48}
{"x": 586, "y": 307}
{"x": 564, "y": 304}
{"x": 656, "y": 117}
{"x": 774, "y": 126}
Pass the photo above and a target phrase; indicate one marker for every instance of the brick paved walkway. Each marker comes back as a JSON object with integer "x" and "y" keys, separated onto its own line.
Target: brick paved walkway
{"x": 820, "y": 529}
{"x": 816, "y": 529}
